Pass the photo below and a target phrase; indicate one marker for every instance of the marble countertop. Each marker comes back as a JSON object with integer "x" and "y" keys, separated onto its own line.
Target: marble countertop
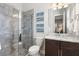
{"x": 63, "y": 37}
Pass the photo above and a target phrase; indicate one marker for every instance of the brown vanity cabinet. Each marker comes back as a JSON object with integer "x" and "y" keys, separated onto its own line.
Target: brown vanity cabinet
{"x": 70, "y": 49}
{"x": 61, "y": 48}
{"x": 51, "y": 47}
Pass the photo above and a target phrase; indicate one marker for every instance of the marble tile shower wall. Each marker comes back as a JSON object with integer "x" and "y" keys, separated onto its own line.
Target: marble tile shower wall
{"x": 9, "y": 30}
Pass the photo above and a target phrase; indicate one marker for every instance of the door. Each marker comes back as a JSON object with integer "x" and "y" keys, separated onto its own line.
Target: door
{"x": 51, "y": 47}
{"x": 27, "y": 32}
{"x": 70, "y": 49}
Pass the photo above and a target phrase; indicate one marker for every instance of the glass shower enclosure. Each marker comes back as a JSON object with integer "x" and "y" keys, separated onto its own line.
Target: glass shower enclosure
{"x": 9, "y": 30}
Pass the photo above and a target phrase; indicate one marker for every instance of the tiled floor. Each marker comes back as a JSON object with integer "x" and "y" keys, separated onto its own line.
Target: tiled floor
{"x": 22, "y": 51}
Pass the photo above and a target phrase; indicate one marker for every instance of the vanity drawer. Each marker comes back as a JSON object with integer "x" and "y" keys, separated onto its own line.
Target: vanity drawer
{"x": 51, "y": 47}
{"x": 70, "y": 49}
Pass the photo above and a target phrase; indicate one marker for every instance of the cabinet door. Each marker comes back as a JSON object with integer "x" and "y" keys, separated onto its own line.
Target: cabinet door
{"x": 70, "y": 49}
{"x": 51, "y": 47}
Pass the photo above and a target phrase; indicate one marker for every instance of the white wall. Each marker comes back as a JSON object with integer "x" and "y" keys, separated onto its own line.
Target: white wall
{"x": 77, "y": 8}
{"x": 48, "y": 28}
{"x": 70, "y": 18}
{"x": 28, "y": 6}
{"x": 37, "y": 6}
{"x": 72, "y": 22}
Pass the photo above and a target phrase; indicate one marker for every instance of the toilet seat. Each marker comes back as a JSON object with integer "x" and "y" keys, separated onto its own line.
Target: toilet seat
{"x": 33, "y": 50}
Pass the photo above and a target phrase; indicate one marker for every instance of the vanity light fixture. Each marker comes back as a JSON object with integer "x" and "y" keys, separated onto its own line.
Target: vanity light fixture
{"x": 59, "y": 5}
{"x": 66, "y": 5}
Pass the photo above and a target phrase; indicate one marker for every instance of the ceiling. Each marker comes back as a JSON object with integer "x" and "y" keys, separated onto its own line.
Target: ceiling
{"x": 16, "y": 5}
{"x": 28, "y": 6}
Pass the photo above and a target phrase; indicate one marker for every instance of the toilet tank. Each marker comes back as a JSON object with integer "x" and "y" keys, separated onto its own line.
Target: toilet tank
{"x": 39, "y": 40}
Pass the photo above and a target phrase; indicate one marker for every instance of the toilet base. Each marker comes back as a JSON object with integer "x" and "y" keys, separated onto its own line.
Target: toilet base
{"x": 33, "y": 54}
{"x": 34, "y": 50}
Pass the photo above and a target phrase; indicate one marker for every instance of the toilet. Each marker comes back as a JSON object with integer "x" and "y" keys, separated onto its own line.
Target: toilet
{"x": 34, "y": 50}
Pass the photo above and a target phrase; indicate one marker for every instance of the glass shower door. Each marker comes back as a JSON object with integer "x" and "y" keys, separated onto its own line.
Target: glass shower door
{"x": 8, "y": 32}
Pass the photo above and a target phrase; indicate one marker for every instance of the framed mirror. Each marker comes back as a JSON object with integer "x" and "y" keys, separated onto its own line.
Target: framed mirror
{"x": 59, "y": 24}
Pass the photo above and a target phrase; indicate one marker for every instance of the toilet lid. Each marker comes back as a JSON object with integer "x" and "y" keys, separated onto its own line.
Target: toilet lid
{"x": 34, "y": 48}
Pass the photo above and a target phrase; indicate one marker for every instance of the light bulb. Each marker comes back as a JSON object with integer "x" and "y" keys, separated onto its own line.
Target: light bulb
{"x": 59, "y": 7}
{"x": 54, "y": 8}
{"x": 65, "y": 5}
